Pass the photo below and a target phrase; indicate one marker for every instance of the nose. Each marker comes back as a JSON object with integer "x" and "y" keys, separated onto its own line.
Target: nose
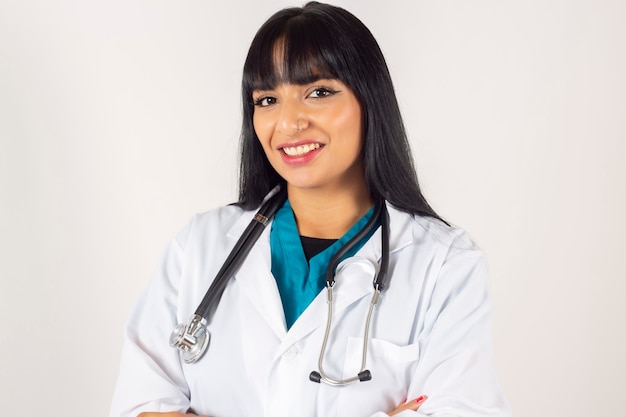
{"x": 292, "y": 119}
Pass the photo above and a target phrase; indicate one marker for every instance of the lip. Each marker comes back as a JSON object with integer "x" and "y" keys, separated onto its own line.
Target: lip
{"x": 300, "y": 159}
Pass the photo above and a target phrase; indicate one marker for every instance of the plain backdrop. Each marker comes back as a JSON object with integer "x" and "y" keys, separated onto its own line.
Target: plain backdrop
{"x": 120, "y": 119}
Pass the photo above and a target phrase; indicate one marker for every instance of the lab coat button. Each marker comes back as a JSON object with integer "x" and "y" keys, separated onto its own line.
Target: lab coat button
{"x": 291, "y": 353}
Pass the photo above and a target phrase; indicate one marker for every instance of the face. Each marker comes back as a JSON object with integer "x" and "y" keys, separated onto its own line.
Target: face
{"x": 311, "y": 133}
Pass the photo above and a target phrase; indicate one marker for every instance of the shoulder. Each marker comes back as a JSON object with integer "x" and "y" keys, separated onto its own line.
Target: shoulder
{"x": 439, "y": 250}
{"x": 440, "y": 258}
{"x": 217, "y": 222}
{"x": 429, "y": 231}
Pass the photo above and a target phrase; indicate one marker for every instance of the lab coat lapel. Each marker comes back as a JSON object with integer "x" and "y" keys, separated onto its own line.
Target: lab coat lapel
{"x": 256, "y": 280}
{"x": 400, "y": 232}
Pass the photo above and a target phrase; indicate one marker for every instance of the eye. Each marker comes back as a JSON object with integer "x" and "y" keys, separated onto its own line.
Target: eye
{"x": 264, "y": 101}
{"x": 321, "y": 92}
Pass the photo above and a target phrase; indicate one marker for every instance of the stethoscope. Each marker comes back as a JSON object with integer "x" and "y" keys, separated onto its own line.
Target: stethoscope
{"x": 192, "y": 339}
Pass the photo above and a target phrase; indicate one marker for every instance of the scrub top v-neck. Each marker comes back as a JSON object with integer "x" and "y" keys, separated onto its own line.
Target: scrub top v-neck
{"x": 300, "y": 281}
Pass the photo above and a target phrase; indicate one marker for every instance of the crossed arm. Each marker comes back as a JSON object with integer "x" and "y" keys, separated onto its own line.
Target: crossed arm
{"x": 409, "y": 405}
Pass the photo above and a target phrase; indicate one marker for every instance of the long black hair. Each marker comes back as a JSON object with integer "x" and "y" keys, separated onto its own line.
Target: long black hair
{"x": 324, "y": 41}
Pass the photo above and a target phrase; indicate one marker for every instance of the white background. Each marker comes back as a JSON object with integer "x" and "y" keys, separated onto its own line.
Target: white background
{"x": 120, "y": 119}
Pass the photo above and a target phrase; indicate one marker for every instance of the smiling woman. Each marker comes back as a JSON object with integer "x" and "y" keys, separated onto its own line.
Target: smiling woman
{"x": 325, "y": 153}
{"x": 311, "y": 135}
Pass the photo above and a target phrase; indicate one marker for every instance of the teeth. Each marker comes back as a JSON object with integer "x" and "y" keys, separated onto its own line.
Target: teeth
{"x": 301, "y": 150}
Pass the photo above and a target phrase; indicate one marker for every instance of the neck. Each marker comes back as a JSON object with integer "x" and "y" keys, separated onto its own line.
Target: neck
{"x": 328, "y": 215}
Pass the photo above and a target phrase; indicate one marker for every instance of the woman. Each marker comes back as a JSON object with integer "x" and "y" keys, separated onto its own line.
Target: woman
{"x": 322, "y": 129}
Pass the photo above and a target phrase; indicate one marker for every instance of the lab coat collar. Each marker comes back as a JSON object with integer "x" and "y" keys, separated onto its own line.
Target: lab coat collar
{"x": 400, "y": 232}
{"x": 354, "y": 277}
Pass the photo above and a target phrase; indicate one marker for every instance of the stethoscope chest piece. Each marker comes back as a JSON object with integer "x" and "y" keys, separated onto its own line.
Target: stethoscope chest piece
{"x": 354, "y": 271}
{"x": 191, "y": 339}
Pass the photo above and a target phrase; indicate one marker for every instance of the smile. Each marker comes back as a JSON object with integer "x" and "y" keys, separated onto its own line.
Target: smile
{"x": 301, "y": 149}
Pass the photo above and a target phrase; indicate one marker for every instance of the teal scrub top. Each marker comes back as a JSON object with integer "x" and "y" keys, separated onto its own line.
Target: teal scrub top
{"x": 300, "y": 281}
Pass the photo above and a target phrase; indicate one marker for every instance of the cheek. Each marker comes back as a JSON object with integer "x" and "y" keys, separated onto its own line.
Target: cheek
{"x": 348, "y": 124}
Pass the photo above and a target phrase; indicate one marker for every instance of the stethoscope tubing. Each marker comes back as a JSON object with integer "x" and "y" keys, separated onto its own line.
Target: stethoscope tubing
{"x": 379, "y": 283}
{"x": 239, "y": 253}
{"x": 380, "y": 212}
{"x": 192, "y": 339}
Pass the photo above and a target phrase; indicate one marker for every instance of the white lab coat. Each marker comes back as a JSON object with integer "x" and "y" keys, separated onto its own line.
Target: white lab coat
{"x": 430, "y": 334}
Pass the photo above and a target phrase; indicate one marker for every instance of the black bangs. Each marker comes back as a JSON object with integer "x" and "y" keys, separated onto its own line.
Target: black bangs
{"x": 292, "y": 50}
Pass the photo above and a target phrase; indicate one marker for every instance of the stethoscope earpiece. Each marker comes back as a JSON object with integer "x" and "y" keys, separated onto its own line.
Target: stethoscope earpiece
{"x": 363, "y": 376}
{"x": 315, "y": 377}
